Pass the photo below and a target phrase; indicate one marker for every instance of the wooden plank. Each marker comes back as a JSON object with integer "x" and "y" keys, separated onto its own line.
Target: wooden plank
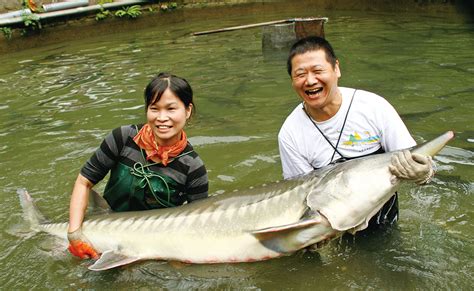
{"x": 243, "y": 26}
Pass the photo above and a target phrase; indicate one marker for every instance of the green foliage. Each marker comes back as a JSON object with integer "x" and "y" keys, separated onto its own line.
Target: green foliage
{"x": 7, "y": 32}
{"x": 129, "y": 12}
{"x": 168, "y": 6}
{"x": 103, "y": 13}
{"x": 31, "y": 23}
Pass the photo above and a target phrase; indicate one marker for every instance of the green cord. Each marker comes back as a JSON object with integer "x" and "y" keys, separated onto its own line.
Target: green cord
{"x": 139, "y": 170}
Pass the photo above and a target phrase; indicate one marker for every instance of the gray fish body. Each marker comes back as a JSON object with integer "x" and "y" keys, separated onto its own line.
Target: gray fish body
{"x": 213, "y": 230}
{"x": 250, "y": 225}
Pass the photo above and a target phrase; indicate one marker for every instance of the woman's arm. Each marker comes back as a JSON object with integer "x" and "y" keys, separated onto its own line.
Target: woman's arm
{"x": 79, "y": 246}
{"x": 79, "y": 201}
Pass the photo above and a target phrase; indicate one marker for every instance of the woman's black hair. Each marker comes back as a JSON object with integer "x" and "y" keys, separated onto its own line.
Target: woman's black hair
{"x": 158, "y": 85}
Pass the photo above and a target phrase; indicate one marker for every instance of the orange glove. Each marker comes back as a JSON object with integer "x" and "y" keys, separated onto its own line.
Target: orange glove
{"x": 79, "y": 246}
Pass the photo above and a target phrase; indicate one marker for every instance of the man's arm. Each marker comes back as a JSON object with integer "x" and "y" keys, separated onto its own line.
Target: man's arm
{"x": 293, "y": 163}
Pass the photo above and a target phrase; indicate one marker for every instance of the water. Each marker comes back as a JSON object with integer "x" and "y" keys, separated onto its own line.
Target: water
{"x": 58, "y": 102}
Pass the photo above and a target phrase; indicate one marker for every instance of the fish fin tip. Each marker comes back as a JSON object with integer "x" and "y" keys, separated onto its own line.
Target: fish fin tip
{"x": 111, "y": 259}
{"x": 31, "y": 212}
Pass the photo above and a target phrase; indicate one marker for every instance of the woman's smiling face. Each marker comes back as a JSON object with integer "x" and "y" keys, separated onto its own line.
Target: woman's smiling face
{"x": 167, "y": 118}
{"x": 314, "y": 78}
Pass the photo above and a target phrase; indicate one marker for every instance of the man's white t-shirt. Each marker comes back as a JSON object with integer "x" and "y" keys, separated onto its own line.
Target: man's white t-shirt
{"x": 372, "y": 123}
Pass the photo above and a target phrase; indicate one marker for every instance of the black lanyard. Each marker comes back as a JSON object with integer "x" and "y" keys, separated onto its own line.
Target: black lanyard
{"x": 340, "y": 134}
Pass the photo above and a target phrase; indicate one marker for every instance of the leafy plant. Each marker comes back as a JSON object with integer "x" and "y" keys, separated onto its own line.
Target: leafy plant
{"x": 168, "y": 6}
{"x": 7, "y": 32}
{"x": 130, "y": 12}
{"x": 31, "y": 23}
{"x": 103, "y": 13}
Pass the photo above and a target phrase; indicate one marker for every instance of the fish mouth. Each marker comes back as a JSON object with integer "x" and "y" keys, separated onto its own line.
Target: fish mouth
{"x": 313, "y": 92}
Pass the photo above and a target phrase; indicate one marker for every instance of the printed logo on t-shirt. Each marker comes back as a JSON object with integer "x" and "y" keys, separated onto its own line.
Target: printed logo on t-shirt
{"x": 357, "y": 140}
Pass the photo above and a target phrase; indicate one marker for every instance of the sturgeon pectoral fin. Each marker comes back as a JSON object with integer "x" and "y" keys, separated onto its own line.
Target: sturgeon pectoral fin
{"x": 111, "y": 259}
{"x": 285, "y": 239}
{"x": 272, "y": 232}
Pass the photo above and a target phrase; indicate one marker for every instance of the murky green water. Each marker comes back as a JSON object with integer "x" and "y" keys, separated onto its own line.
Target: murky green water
{"x": 57, "y": 102}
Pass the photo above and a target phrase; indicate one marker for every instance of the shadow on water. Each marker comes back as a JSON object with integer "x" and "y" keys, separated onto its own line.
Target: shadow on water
{"x": 416, "y": 116}
{"x": 164, "y": 275}
{"x": 466, "y": 7}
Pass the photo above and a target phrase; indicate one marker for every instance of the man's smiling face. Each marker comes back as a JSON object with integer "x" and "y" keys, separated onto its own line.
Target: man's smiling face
{"x": 314, "y": 78}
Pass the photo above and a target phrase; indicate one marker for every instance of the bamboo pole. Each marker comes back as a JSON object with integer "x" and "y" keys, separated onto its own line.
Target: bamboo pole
{"x": 256, "y": 25}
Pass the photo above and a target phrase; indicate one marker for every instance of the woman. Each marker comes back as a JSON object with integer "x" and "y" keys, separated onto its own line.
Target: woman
{"x": 151, "y": 165}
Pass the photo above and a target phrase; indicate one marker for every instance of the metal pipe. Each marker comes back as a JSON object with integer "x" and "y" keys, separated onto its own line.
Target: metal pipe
{"x": 16, "y": 13}
{"x": 64, "y": 5}
{"x": 73, "y": 11}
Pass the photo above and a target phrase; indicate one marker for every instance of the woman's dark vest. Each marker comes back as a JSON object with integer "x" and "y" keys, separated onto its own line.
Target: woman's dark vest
{"x": 138, "y": 187}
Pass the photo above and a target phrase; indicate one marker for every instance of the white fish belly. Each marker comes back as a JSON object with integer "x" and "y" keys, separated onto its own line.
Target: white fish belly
{"x": 350, "y": 195}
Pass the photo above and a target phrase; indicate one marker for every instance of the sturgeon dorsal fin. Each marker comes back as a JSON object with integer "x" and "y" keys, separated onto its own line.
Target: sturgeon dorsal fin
{"x": 97, "y": 203}
{"x": 111, "y": 259}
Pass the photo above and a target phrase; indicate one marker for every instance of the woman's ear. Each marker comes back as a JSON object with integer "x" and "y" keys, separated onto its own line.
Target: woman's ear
{"x": 189, "y": 110}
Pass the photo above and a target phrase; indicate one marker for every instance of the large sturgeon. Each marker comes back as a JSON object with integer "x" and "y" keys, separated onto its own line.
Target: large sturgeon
{"x": 250, "y": 225}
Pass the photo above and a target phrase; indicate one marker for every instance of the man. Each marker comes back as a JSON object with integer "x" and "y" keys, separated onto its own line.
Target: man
{"x": 335, "y": 123}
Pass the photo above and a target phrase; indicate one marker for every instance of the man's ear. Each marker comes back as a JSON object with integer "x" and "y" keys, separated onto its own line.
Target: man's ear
{"x": 337, "y": 69}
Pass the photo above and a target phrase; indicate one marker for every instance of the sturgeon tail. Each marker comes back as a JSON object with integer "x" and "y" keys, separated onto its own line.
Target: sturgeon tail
{"x": 31, "y": 213}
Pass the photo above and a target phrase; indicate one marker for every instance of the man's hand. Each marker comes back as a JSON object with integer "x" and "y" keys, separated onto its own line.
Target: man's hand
{"x": 79, "y": 246}
{"x": 408, "y": 166}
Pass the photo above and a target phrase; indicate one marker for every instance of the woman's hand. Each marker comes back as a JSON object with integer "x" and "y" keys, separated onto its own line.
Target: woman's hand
{"x": 415, "y": 167}
{"x": 80, "y": 246}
